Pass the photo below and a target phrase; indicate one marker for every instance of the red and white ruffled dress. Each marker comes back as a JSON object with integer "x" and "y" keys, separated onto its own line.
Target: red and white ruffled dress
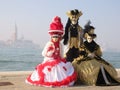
{"x": 54, "y": 71}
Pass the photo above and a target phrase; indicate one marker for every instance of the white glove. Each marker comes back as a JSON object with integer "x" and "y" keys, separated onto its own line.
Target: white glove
{"x": 91, "y": 55}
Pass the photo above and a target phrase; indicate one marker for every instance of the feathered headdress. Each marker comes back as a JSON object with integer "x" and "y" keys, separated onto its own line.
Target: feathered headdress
{"x": 74, "y": 12}
{"x": 89, "y": 30}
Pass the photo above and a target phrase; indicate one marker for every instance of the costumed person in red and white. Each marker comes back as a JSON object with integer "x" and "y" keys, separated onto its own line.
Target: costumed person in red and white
{"x": 54, "y": 71}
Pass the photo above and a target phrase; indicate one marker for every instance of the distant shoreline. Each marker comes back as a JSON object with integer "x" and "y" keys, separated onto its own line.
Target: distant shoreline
{"x": 28, "y": 72}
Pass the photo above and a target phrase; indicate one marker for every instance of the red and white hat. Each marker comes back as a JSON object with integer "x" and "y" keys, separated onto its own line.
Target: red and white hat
{"x": 56, "y": 27}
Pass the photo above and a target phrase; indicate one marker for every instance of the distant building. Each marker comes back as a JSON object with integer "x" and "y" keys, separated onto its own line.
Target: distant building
{"x": 24, "y": 44}
{"x": 18, "y": 43}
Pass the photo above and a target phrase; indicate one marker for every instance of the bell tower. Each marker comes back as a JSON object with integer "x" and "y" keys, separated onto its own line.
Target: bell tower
{"x": 14, "y": 36}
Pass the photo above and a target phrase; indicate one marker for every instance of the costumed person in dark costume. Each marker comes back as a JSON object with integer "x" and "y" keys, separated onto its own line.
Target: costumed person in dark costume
{"x": 91, "y": 68}
{"x": 54, "y": 71}
{"x": 73, "y": 35}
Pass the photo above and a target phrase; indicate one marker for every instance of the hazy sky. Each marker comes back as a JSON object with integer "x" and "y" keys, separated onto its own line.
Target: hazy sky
{"x": 34, "y": 16}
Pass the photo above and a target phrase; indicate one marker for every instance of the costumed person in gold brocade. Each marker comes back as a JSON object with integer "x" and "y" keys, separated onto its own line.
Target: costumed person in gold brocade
{"x": 91, "y": 68}
{"x": 73, "y": 34}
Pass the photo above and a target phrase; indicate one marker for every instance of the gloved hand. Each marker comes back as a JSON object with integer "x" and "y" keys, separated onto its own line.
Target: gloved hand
{"x": 91, "y": 55}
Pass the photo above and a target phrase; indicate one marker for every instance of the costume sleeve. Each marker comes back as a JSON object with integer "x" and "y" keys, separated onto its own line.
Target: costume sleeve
{"x": 80, "y": 35}
{"x": 98, "y": 51}
{"x": 61, "y": 50}
{"x": 48, "y": 50}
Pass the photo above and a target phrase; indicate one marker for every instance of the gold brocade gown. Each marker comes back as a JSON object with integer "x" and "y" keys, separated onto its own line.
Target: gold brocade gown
{"x": 94, "y": 71}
